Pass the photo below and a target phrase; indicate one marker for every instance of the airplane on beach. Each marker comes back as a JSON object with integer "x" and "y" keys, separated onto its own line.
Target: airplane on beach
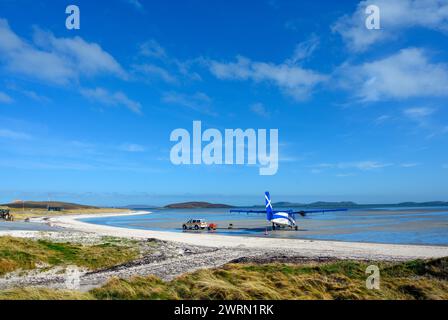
{"x": 284, "y": 218}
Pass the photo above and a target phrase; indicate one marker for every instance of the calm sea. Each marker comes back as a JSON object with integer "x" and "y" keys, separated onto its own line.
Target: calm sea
{"x": 382, "y": 225}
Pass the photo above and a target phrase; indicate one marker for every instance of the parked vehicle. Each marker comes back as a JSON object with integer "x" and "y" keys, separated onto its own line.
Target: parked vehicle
{"x": 6, "y": 215}
{"x": 199, "y": 224}
{"x": 212, "y": 226}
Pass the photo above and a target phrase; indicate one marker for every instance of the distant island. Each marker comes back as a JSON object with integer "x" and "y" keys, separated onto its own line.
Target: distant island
{"x": 197, "y": 205}
{"x": 313, "y": 205}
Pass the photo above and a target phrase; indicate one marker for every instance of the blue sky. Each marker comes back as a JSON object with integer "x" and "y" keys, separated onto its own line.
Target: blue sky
{"x": 86, "y": 115}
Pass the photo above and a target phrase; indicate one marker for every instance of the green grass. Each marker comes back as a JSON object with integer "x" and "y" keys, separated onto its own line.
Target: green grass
{"x": 311, "y": 280}
{"x": 43, "y": 294}
{"x": 333, "y": 280}
{"x": 25, "y": 254}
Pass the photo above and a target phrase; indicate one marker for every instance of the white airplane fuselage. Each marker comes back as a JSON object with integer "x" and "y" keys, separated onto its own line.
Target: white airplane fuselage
{"x": 283, "y": 219}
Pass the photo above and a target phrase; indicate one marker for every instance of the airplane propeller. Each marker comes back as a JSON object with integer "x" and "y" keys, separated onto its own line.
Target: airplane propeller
{"x": 302, "y": 213}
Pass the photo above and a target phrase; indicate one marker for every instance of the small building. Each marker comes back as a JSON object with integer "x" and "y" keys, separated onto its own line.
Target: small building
{"x": 6, "y": 215}
{"x": 56, "y": 209}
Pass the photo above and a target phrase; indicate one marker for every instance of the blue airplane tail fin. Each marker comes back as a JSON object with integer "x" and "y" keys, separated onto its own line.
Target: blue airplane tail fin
{"x": 269, "y": 210}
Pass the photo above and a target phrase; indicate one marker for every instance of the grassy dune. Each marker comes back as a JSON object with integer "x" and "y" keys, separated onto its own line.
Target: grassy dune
{"x": 336, "y": 280}
{"x": 25, "y": 254}
{"x": 332, "y": 280}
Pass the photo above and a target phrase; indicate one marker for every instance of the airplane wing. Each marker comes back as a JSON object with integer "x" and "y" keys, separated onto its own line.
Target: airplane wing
{"x": 305, "y": 212}
{"x": 248, "y": 211}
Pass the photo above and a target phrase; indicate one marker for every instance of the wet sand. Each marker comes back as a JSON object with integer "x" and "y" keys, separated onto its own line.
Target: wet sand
{"x": 415, "y": 226}
{"x": 6, "y": 227}
{"x": 305, "y": 248}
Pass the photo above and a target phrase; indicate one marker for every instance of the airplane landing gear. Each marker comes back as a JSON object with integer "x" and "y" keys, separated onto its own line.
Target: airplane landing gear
{"x": 296, "y": 228}
{"x": 273, "y": 226}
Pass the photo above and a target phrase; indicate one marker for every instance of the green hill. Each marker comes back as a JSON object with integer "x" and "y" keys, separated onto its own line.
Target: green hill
{"x": 45, "y": 204}
{"x": 196, "y": 205}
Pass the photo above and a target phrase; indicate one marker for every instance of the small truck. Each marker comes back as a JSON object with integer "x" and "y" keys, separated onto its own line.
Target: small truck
{"x": 198, "y": 224}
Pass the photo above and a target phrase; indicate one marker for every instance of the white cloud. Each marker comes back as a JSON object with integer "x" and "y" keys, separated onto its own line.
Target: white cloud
{"x": 4, "y": 98}
{"x": 345, "y": 175}
{"x": 260, "y": 110}
{"x": 185, "y": 68}
{"x": 324, "y": 165}
{"x": 14, "y": 135}
{"x": 111, "y": 98}
{"x": 153, "y": 49}
{"x": 421, "y": 115}
{"x": 35, "y": 96}
{"x": 132, "y": 147}
{"x": 360, "y": 165}
{"x": 136, "y": 4}
{"x": 54, "y": 60}
{"x": 364, "y": 165}
{"x": 88, "y": 58}
{"x": 155, "y": 71}
{"x": 29, "y": 93}
{"x": 409, "y": 165}
{"x": 172, "y": 70}
{"x": 291, "y": 79}
{"x": 396, "y": 16}
{"x": 418, "y": 113}
{"x": 305, "y": 49}
{"x": 293, "y": 25}
{"x": 199, "y": 101}
{"x": 406, "y": 74}
{"x": 425, "y": 118}
{"x": 382, "y": 119}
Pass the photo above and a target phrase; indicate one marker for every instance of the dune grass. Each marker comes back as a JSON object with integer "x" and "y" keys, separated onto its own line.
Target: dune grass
{"x": 335, "y": 280}
{"x": 43, "y": 294}
{"x": 26, "y": 254}
{"x": 345, "y": 280}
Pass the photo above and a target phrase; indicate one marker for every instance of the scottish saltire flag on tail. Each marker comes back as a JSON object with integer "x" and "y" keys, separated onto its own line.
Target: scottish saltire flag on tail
{"x": 269, "y": 210}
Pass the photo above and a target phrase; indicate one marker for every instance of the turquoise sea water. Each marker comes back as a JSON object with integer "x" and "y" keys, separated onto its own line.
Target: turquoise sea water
{"x": 401, "y": 226}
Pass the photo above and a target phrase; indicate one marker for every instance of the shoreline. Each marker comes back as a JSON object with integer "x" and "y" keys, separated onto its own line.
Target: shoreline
{"x": 306, "y": 248}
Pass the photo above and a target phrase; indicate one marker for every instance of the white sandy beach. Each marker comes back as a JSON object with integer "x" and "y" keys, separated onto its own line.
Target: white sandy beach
{"x": 306, "y": 248}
